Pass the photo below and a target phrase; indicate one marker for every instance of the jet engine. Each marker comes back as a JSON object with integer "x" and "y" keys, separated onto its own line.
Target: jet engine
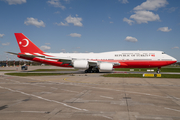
{"x": 106, "y": 66}
{"x": 81, "y": 64}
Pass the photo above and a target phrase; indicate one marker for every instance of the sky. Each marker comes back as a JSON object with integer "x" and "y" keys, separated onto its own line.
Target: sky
{"x": 84, "y": 26}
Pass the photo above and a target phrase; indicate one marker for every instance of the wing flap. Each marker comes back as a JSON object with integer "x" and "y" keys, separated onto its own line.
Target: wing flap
{"x": 98, "y": 62}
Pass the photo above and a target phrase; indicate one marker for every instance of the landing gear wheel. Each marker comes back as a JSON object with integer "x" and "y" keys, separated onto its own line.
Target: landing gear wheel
{"x": 158, "y": 70}
{"x": 97, "y": 70}
{"x": 92, "y": 71}
{"x": 88, "y": 71}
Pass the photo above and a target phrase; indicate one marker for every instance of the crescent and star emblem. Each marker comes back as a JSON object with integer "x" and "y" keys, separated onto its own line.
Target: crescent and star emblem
{"x": 27, "y": 43}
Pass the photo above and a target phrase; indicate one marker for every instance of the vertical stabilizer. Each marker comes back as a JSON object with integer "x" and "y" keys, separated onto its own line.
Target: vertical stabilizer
{"x": 25, "y": 45}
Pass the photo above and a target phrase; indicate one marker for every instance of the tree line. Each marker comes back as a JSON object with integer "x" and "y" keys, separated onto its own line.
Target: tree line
{"x": 18, "y": 63}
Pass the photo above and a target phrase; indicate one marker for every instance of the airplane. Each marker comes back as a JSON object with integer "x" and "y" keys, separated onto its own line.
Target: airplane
{"x": 93, "y": 62}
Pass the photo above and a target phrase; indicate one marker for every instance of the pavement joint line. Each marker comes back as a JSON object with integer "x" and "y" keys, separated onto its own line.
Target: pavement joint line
{"x": 107, "y": 117}
{"x": 171, "y": 109}
{"x": 35, "y": 111}
{"x": 106, "y": 97}
{"x": 43, "y": 98}
{"x": 173, "y": 97}
{"x": 70, "y": 91}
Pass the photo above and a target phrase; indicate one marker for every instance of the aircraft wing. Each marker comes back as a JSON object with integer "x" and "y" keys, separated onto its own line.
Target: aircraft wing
{"x": 26, "y": 55}
{"x": 70, "y": 60}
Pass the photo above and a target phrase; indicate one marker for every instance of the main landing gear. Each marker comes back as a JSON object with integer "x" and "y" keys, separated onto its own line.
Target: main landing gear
{"x": 92, "y": 70}
{"x": 158, "y": 70}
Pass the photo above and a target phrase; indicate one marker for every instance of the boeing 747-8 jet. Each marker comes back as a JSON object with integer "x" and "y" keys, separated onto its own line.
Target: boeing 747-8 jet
{"x": 93, "y": 62}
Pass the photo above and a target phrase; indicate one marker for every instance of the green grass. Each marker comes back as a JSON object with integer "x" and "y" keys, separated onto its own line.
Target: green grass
{"x": 145, "y": 69}
{"x": 141, "y": 76}
{"x": 54, "y": 70}
{"x": 35, "y": 74}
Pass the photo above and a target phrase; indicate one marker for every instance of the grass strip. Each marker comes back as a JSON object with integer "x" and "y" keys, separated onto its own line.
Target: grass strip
{"x": 141, "y": 76}
{"x": 7, "y": 70}
{"x": 35, "y": 74}
{"x": 54, "y": 70}
{"x": 145, "y": 69}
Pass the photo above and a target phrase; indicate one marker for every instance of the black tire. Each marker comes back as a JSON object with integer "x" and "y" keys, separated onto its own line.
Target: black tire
{"x": 158, "y": 71}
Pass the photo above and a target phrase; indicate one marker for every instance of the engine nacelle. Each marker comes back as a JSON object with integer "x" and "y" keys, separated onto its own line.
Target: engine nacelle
{"x": 106, "y": 66}
{"x": 81, "y": 64}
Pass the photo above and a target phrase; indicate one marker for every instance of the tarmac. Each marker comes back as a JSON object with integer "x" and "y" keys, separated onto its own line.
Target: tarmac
{"x": 88, "y": 97}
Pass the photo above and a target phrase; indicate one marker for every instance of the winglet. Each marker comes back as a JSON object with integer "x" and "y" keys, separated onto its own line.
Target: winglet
{"x": 25, "y": 45}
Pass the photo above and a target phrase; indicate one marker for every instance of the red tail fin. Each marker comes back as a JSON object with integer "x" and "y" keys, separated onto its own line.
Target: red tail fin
{"x": 25, "y": 45}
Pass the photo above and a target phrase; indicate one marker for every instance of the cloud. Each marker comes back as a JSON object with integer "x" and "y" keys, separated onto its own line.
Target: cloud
{"x": 172, "y": 9}
{"x": 123, "y": 1}
{"x": 128, "y": 21}
{"x": 35, "y": 22}
{"x": 75, "y": 35}
{"x": 144, "y": 17}
{"x": 143, "y": 12}
{"x": 62, "y": 24}
{"x": 1, "y": 35}
{"x": 14, "y": 2}
{"x": 68, "y": 1}
{"x": 176, "y": 47}
{"x": 131, "y": 39}
{"x": 74, "y": 20}
{"x": 151, "y": 5}
{"x": 44, "y": 47}
{"x": 110, "y": 22}
{"x": 56, "y": 3}
{"x": 6, "y": 44}
{"x": 164, "y": 29}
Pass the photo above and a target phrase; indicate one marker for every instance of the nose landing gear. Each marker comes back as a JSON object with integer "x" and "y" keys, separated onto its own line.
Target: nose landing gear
{"x": 158, "y": 70}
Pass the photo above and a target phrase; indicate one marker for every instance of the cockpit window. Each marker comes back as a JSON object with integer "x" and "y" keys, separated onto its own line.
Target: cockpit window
{"x": 163, "y": 52}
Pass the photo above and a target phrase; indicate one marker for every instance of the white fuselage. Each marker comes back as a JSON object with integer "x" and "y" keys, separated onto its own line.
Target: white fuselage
{"x": 118, "y": 55}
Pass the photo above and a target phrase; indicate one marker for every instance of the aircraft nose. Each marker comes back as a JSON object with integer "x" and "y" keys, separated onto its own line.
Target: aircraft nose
{"x": 174, "y": 59}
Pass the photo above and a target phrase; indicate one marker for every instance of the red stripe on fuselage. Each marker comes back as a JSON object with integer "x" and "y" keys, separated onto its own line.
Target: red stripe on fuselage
{"x": 123, "y": 63}
{"x": 143, "y": 64}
